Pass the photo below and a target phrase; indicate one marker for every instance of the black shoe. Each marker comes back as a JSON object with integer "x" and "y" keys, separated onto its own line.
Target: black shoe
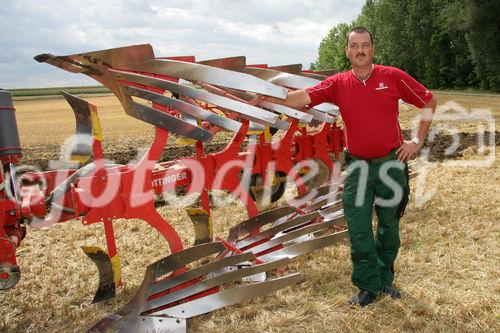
{"x": 362, "y": 298}
{"x": 391, "y": 291}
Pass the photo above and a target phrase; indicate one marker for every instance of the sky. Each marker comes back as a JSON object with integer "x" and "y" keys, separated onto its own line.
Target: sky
{"x": 275, "y": 32}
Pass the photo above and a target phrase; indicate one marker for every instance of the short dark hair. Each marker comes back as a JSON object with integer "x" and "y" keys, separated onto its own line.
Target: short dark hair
{"x": 358, "y": 30}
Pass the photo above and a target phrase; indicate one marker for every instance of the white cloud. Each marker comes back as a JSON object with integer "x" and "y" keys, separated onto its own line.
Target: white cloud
{"x": 274, "y": 32}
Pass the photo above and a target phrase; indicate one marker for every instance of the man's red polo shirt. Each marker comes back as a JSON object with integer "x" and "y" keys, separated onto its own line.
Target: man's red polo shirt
{"x": 370, "y": 108}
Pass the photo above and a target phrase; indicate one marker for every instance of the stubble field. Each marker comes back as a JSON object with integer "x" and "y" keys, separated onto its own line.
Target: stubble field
{"x": 448, "y": 268}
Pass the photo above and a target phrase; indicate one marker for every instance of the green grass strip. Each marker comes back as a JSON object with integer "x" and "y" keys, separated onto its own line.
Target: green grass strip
{"x": 54, "y": 91}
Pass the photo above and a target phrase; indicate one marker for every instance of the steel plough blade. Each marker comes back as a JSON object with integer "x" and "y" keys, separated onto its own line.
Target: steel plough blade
{"x": 164, "y": 120}
{"x": 334, "y": 185}
{"x": 291, "y": 81}
{"x": 165, "y": 266}
{"x": 307, "y": 246}
{"x": 276, "y": 228}
{"x": 98, "y": 64}
{"x": 292, "y": 113}
{"x": 314, "y": 75}
{"x": 292, "y": 69}
{"x": 231, "y": 63}
{"x": 142, "y": 324}
{"x": 295, "y": 236}
{"x": 309, "y": 223}
{"x": 281, "y": 78}
{"x": 245, "y": 110}
{"x": 165, "y": 303}
{"x": 326, "y": 72}
{"x": 211, "y": 268}
{"x": 280, "y": 239}
{"x": 255, "y": 223}
{"x": 118, "y": 57}
{"x": 232, "y": 296}
{"x": 211, "y": 75}
{"x": 189, "y": 119}
{"x": 184, "y": 107}
{"x": 328, "y": 108}
{"x": 93, "y": 63}
{"x": 207, "y": 284}
{"x": 289, "y": 112}
{"x": 326, "y": 201}
{"x": 320, "y": 116}
{"x": 65, "y": 64}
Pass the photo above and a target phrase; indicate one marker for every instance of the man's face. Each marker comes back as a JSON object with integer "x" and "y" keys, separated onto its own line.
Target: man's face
{"x": 359, "y": 49}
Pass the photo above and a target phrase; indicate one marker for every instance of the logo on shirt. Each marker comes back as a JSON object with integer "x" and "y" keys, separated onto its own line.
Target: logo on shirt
{"x": 381, "y": 85}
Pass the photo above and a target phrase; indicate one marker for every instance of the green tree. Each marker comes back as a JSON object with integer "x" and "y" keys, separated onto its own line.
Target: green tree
{"x": 482, "y": 33}
{"x": 443, "y": 43}
{"x": 332, "y": 49}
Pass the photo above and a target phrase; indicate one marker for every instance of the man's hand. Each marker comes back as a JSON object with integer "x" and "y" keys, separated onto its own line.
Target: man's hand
{"x": 296, "y": 99}
{"x": 407, "y": 150}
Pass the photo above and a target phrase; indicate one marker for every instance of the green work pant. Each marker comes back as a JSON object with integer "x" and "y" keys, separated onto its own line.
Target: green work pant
{"x": 373, "y": 258}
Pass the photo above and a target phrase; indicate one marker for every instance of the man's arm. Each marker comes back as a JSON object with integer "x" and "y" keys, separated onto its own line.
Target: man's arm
{"x": 295, "y": 99}
{"x": 409, "y": 148}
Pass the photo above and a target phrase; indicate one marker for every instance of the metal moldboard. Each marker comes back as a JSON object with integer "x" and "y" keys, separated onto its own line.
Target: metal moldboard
{"x": 118, "y": 57}
{"x": 258, "y": 221}
{"x": 163, "y": 266}
{"x": 140, "y": 324}
{"x": 190, "y": 109}
{"x": 290, "y": 236}
{"x": 211, "y": 75}
{"x": 320, "y": 116}
{"x": 291, "y": 81}
{"x": 231, "y": 296}
{"x": 308, "y": 246}
{"x": 283, "y": 79}
{"x": 290, "y": 112}
{"x": 294, "y": 222}
{"x": 292, "y": 68}
{"x": 201, "y": 286}
{"x": 164, "y": 120}
{"x": 200, "y": 271}
{"x": 231, "y": 63}
{"x": 245, "y": 110}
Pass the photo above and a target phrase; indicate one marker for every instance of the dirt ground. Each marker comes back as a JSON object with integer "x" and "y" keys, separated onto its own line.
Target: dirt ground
{"x": 44, "y": 125}
{"x": 447, "y": 269}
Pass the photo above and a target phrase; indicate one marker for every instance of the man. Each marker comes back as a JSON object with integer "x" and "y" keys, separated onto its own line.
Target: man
{"x": 368, "y": 96}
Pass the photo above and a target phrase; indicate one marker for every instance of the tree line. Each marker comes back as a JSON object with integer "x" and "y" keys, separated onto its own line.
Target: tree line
{"x": 442, "y": 43}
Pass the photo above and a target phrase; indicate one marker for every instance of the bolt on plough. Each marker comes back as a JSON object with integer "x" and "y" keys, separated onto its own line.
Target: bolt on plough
{"x": 194, "y": 101}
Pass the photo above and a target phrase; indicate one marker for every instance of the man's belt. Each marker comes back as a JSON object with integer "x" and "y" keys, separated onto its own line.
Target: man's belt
{"x": 382, "y": 159}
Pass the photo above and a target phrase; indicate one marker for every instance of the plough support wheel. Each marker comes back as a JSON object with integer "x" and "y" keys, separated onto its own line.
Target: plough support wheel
{"x": 9, "y": 275}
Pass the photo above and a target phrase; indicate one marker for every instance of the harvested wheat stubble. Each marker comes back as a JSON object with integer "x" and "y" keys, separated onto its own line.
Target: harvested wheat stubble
{"x": 447, "y": 269}
{"x": 45, "y": 125}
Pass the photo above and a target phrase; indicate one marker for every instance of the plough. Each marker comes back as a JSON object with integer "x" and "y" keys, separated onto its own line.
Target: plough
{"x": 194, "y": 101}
